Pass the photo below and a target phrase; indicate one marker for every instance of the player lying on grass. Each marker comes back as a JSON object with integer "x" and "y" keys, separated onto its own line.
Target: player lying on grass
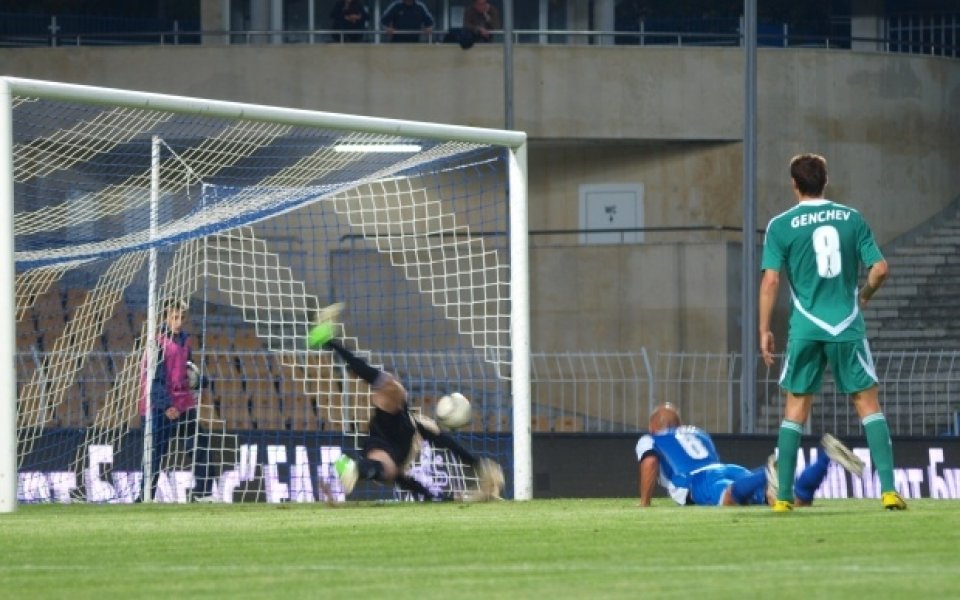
{"x": 685, "y": 461}
{"x": 396, "y": 434}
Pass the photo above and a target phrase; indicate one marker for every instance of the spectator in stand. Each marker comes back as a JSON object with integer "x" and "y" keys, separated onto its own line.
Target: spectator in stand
{"x": 350, "y": 15}
{"x": 411, "y": 17}
{"x": 479, "y": 19}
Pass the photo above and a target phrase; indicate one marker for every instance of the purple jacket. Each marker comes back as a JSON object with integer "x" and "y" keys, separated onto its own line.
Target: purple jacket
{"x": 171, "y": 381}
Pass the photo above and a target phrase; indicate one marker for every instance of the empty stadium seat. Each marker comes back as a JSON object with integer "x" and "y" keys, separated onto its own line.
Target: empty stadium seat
{"x": 567, "y": 424}
{"x": 234, "y": 409}
{"x": 541, "y": 423}
{"x": 499, "y": 423}
{"x": 266, "y": 410}
{"x": 301, "y": 413}
{"x": 72, "y": 412}
{"x": 246, "y": 339}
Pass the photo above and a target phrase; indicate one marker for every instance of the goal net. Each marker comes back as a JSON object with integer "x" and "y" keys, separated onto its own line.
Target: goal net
{"x": 146, "y": 225}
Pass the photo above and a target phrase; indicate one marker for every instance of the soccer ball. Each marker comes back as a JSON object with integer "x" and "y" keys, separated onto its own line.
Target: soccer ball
{"x": 453, "y": 411}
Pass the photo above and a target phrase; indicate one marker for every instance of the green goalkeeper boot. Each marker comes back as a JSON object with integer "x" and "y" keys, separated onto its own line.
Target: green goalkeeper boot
{"x": 323, "y": 329}
{"x": 346, "y": 469}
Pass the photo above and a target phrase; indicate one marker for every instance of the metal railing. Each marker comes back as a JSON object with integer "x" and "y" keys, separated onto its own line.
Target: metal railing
{"x": 574, "y": 392}
{"x": 937, "y": 35}
{"x": 34, "y": 30}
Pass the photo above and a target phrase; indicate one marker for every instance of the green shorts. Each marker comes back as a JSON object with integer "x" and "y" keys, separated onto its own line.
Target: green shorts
{"x": 805, "y": 360}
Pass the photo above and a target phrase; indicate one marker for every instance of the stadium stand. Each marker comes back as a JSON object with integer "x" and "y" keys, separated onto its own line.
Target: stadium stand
{"x": 918, "y": 308}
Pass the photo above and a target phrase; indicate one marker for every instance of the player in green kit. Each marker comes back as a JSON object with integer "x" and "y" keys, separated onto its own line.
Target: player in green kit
{"x": 819, "y": 245}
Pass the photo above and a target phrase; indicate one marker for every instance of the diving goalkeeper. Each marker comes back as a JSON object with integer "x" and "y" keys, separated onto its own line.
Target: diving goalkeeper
{"x": 396, "y": 434}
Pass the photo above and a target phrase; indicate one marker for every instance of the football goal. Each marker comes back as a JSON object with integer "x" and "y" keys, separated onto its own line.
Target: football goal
{"x": 140, "y": 220}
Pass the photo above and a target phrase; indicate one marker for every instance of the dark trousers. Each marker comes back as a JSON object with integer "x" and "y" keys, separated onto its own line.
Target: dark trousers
{"x": 176, "y": 436}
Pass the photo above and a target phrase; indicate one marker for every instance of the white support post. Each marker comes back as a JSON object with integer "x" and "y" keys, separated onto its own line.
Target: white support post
{"x": 520, "y": 324}
{"x": 8, "y": 313}
{"x": 150, "y": 344}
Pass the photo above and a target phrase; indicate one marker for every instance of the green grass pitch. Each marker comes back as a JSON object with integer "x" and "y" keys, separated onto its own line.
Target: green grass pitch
{"x": 544, "y": 549}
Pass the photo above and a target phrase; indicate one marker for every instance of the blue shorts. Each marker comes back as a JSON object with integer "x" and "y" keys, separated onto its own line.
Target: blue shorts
{"x": 707, "y": 486}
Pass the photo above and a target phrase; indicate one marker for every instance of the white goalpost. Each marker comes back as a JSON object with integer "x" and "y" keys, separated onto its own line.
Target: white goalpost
{"x": 130, "y": 211}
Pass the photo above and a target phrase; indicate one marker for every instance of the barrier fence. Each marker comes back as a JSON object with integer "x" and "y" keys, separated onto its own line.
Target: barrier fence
{"x": 934, "y": 34}
{"x": 582, "y": 392}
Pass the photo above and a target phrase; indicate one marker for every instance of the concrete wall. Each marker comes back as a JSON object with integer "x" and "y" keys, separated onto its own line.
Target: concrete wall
{"x": 662, "y": 296}
{"x": 669, "y": 118}
{"x": 889, "y": 127}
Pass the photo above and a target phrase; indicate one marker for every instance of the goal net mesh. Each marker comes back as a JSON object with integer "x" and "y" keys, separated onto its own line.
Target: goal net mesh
{"x": 252, "y": 226}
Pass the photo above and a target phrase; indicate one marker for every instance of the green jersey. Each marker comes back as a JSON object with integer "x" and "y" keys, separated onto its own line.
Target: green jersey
{"x": 821, "y": 245}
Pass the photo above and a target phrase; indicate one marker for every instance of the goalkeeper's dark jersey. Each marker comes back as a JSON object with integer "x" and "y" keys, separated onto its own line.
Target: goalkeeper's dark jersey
{"x": 397, "y": 434}
{"x": 820, "y": 246}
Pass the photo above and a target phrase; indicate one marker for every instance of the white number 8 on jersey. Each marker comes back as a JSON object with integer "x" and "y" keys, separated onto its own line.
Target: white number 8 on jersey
{"x": 826, "y": 244}
{"x": 692, "y": 445}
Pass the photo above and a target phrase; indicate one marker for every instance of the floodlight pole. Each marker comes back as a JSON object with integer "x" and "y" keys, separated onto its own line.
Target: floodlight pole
{"x": 508, "y": 64}
{"x": 748, "y": 332}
